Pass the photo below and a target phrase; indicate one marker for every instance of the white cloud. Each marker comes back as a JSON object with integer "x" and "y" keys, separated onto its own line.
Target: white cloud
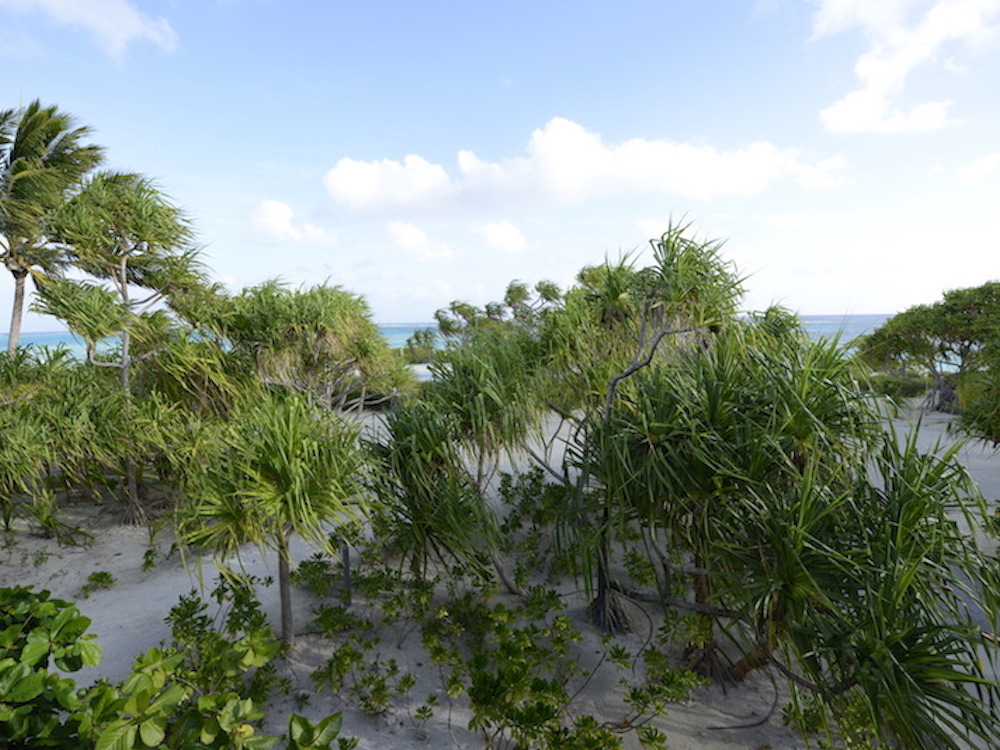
{"x": 276, "y": 220}
{"x": 786, "y": 222}
{"x": 836, "y": 16}
{"x": 406, "y": 236}
{"x": 652, "y": 228}
{"x": 571, "y": 164}
{"x": 982, "y": 168}
{"x": 414, "y": 241}
{"x": 897, "y": 47}
{"x": 364, "y": 185}
{"x": 502, "y": 235}
{"x": 566, "y": 164}
{"x": 115, "y": 23}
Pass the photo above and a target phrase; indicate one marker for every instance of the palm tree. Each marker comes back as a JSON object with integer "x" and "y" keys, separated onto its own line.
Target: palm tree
{"x": 42, "y": 157}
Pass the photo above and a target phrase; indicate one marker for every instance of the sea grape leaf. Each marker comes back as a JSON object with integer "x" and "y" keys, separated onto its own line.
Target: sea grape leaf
{"x": 118, "y": 735}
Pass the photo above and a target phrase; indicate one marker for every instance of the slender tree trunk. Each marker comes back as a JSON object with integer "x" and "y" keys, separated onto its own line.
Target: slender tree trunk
{"x": 706, "y": 656}
{"x": 285, "y": 589}
{"x": 126, "y": 361}
{"x": 345, "y": 558}
{"x": 17, "y": 312}
{"x": 756, "y": 658}
{"x": 135, "y": 514}
{"x": 508, "y": 583}
{"x": 606, "y": 610}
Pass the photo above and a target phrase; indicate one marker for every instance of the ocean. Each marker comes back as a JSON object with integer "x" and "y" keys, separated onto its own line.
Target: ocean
{"x": 847, "y": 327}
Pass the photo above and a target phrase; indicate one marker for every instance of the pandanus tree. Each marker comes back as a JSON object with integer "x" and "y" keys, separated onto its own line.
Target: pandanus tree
{"x": 619, "y": 321}
{"x": 699, "y": 436}
{"x": 319, "y": 341}
{"x": 426, "y": 507}
{"x": 122, "y": 230}
{"x": 487, "y": 389}
{"x": 281, "y": 468}
{"x": 43, "y": 157}
{"x": 784, "y": 517}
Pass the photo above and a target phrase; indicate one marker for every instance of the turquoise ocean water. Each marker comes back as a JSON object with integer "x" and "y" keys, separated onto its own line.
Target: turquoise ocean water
{"x": 847, "y": 327}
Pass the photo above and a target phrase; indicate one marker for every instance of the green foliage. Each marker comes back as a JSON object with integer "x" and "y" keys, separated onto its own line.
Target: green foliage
{"x": 427, "y": 508}
{"x": 531, "y": 530}
{"x": 231, "y": 652}
{"x": 283, "y": 467}
{"x": 373, "y": 684}
{"x": 120, "y": 228}
{"x": 88, "y": 310}
{"x": 421, "y": 346}
{"x": 24, "y": 452}
{"x": 303, "y": 735}
{"x": 898, "y": 386}
{"x": 316, "y": 574}
{"x": 515, "y": 674}
{"x": 320, "y": 341}
{"x": 158, "y": 705}
{"x": 99, "y": 579}
{"x": 42, "y": 158}
{"x": 946, "y": 341}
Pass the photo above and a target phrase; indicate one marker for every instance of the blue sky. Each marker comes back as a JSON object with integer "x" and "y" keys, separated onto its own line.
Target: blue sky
{"x": 848, "y": 151}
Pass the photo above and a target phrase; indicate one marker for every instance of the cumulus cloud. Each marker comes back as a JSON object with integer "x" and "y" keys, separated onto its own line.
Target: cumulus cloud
{"x": 570, "y": 164}
{"x": 566, "y": 164}
{"x": 115, "y": 23}
{"x": 386, "y": 182}
{"x": 899, "y": 45}
{"x": 414, "y": 241}
{"x": 276, "y": 220}
{"x": 502, "y": 235}
{"x": 982, "y": 168}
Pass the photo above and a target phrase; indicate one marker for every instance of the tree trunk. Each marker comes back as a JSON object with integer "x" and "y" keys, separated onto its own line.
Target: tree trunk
{"x": 126, "y": 362}
{"x": 757, "y": 657}
{"x": 17, "y": 312}
{"x": 511, "y": 586}
{"x": 135, "y": 514}
{"x": 606, "y": 610}
{"x": 285, "y": 589}
{"x": 706, "y": 656}
{"x": 345, "y": 558}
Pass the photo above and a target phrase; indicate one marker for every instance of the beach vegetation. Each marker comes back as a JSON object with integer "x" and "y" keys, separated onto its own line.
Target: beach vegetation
{"x": 162, "y": 703}
{"x": 627, "y": 454}
{"x": 421, "y": 345}
{"x": 121, "y": 229}
{"x": 749, "y": 467}
{"x": 281, "y": 467}
{"x": 319, "y": 341}
{"x": 947, "y": 341}
{"x": 99, "y": 579}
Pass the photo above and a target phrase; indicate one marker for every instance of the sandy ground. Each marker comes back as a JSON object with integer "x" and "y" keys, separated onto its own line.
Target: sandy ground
{"x": 129, "y": 617}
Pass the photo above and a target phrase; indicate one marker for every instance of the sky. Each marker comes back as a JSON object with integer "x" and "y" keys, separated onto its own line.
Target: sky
{"x": 415, "y": 153}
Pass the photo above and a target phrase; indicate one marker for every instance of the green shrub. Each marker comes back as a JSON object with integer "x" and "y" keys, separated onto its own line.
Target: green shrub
{"x": 157, "y": 705}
